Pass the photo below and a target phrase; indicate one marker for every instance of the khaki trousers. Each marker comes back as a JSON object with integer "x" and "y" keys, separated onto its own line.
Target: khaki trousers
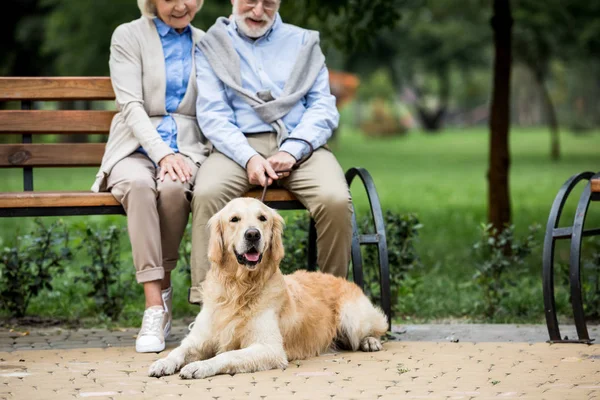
{"x": 157, "y": 213}
{"x": 319, "y": 184}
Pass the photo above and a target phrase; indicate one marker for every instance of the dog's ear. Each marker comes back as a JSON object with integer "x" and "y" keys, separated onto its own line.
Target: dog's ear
{"x": 215, "y": 242}
{"x": 277, "y": 250}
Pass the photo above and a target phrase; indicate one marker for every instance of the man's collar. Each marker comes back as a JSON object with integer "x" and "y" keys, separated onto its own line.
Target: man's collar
{"x": 163, "y": 29}
{"x": 276, "y": 25}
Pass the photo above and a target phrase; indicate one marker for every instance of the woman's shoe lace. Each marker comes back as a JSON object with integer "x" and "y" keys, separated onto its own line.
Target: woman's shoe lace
{"x": 152, "y": 322}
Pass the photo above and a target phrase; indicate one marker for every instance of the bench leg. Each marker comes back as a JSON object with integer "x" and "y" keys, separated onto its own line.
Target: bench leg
{"x": 552, "y": 234}
{"x": 357, "y": 261}
{"x": 378, "y": 238}
{"x": 312, "y": 246}
{"x": 575, "y": 264}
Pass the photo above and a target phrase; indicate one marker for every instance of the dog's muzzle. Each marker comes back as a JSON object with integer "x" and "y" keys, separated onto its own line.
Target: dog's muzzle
{"x": 251, "y": 257}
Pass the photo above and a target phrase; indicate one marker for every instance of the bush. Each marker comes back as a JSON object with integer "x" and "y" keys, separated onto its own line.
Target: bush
{"x": 401, "y": 232}
{"x": 383, "y": 114}
{"x": 29, "y": 266}
{"x": 591, "y": 280}
{"x": 497, "y": 256}
{"x": 184, "y": 264}
{"x": 295, "y": 242}
{"x": 103, "y": 273}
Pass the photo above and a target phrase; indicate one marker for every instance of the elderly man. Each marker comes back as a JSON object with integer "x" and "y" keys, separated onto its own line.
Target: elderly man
{"x": 264, "y": 102}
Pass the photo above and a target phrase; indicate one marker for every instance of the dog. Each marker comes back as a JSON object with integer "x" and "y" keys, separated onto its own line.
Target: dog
{"x": 253, "y": 317}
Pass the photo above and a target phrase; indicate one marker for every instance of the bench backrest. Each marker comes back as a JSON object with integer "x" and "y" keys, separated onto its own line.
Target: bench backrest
{"x": 28, "y": 122}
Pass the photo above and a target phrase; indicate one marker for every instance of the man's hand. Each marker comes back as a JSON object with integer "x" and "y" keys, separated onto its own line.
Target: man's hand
{"x": 256, "y": 168}
{"x": 281, "y": 161}
{"x": 176, "y": 167}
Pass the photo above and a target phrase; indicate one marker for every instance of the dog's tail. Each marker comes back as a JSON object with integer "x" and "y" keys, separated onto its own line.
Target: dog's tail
{"x": 360, "y": 319}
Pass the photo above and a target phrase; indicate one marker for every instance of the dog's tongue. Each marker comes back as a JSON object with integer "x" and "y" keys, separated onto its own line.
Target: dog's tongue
{"x": 253, "y": 257}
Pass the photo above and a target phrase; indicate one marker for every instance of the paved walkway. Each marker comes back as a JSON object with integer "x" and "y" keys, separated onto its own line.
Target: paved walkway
{"x": 427, "y": 362}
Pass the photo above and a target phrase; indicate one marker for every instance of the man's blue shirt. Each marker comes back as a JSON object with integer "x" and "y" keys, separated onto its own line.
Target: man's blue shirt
{"x": 265, "y": 64}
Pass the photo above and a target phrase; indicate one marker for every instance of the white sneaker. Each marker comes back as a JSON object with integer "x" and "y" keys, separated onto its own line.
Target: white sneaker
{"x": 151, "y": 338}
{"x": 167, "y": 297}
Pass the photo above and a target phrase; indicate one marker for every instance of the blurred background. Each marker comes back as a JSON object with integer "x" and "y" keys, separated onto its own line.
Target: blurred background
{"x": 419, "y": 85}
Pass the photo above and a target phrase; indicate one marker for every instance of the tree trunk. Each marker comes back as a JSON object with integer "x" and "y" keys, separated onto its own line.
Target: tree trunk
{"x": 552, "y": 120}
{"x": 499, "y": 214}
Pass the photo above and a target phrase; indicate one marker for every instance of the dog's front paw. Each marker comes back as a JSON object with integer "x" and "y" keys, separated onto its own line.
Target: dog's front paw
{"x": 196, "y": 370}
{"x": 163, "y": 367}
{"x": 370, "y": 344}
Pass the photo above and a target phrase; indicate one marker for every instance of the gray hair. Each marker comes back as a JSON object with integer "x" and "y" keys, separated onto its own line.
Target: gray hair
{"x": 148, "y": 9}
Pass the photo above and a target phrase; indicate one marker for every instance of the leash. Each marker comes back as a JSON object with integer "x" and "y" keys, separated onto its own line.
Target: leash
{"x": 294, "y": 167}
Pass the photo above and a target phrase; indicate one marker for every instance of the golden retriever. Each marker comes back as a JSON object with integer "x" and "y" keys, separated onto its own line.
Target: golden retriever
{"x": 253, "y": 317}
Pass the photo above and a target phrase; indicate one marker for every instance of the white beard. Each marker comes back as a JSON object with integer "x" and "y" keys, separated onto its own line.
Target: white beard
{"x": 254, "y": 33}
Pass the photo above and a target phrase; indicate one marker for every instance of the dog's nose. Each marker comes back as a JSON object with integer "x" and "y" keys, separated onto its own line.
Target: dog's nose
{"x": 252, "y": 235}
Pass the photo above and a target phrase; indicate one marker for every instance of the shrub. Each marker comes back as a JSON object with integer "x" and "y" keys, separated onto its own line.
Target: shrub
{"x": 380, "y": 113}
{"x": 29, "y": 266}
{"x": 185, "y": 254}
{"x": 402, "y": 232}
{"x": 497, "y": 256}
{"x": 295, "y": 242}
{"x": 591, "y": 280}
{"x": 108, "y": 290}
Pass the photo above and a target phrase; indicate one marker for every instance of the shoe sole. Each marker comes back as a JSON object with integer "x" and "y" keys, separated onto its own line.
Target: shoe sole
{"x": 149, "y": 349}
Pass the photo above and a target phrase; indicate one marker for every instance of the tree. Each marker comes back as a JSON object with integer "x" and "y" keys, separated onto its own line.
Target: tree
{"x": 499, "y": 213}
{"x": 78, "y": 33}
{"x": 546, "y": 30}
{"x": 535, "y": 44}
{"x": 432, "y": 40}
{"x": 23, "y": 35}
{"x": 442, "y": 35}
{"x": 349, "y": 25}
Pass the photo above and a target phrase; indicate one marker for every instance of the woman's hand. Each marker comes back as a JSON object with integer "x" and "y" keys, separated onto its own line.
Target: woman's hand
{"x": 176, "y": 166}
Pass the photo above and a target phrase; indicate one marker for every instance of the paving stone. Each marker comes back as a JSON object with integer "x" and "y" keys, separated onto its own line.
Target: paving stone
{"x": 488, "y": 362}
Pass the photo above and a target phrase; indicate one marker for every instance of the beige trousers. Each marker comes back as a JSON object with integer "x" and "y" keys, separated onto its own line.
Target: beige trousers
{"x": 157, "y": 213}
{"x": 319, "y": 184}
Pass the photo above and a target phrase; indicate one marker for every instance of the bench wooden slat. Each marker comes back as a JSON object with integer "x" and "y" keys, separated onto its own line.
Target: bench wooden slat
{"x": 90, "y": 199}
{"x": 56, "y": 199}
{"x": 56, "y": 88}
{"x": 55, "y": 121}
{"x": 273, "y": 195}
{"x": 596, "y": 185}
{"x": 51, "y": 155}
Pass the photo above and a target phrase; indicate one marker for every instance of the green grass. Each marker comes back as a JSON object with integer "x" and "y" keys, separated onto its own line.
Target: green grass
{"x": 441, "y": 178}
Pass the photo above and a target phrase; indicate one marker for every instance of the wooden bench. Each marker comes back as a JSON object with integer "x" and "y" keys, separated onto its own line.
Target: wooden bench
{"x": 574, "y": 233}
{"x": 29, "y": 154}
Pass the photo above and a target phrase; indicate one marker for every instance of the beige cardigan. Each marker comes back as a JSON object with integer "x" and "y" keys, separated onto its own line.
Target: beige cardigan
{"x": 137, "y": 72}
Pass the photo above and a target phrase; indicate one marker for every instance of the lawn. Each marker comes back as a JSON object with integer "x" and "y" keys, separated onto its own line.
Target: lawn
{"x": 441, "y": 178}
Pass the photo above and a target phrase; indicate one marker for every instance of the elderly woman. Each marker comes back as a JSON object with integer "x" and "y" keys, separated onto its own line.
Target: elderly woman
{"x": 155, "y": 147}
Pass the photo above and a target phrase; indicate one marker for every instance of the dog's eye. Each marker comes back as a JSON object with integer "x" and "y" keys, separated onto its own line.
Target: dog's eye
{"x": 262, "y": 218}
{"x": 235, "y": 219}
